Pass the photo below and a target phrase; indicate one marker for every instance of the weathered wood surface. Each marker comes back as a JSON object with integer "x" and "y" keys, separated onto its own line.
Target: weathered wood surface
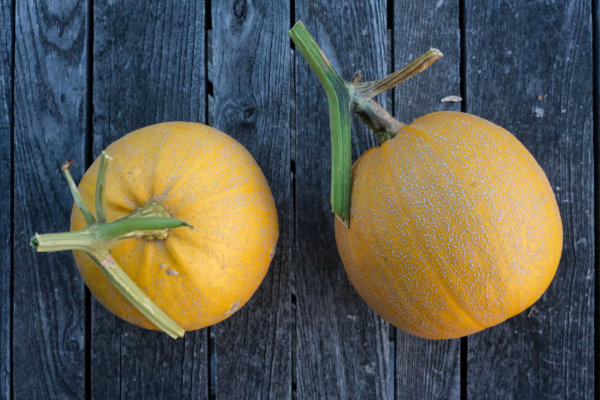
{"x": 149, "y": 67}
{"x": 596, "y": 215}
{"x": 6, "y": 193}
{"x": 251, "y": 67}
{"x": 49, "y": 127}
{"x": 417, "y": 27}
{"x": 516, "y": 52}
{"x": 342, "y": 345}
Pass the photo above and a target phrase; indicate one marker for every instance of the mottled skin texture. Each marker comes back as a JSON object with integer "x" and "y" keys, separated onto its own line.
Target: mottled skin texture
{"x": 207, "y": 179}
{"x": 454, "y": 227}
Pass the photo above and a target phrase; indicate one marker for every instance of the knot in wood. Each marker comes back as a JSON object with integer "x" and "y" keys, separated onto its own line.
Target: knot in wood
{"x": 248, "y": 113}
{"x": 239, "y": 9}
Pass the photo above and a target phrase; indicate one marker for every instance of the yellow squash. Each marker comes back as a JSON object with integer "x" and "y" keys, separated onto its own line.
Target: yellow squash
{"x": 449, "y": 226}
{"x": 203, "y": 177}
{"x": 454, "y": 227}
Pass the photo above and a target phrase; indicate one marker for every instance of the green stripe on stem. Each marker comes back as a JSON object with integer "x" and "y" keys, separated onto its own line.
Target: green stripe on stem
{"x": 338, "y": 96}
{"x": 101, "y": 187}
{"x": 126, "y": 228}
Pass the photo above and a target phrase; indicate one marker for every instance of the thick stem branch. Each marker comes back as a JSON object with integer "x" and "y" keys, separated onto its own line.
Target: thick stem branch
{"x": 368, "y": 90}
{"x": 134, "y": 294}
{"x": 50, "y": 242}
{"x": 126, "y": 228}
{"x": 379, "y": 120}
{"x": 338, "y": 96}
{"x": 101, "y": 235}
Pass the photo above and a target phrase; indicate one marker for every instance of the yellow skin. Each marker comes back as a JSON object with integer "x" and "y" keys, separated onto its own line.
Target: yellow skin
{"x": 454, "y": 227}
{"x": 205, "y": 178}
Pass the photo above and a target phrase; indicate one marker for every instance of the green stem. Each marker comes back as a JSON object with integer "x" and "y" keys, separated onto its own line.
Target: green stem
{"x": 347, "y": 97}
{"x": 131, "y": 292}
{"x": 101, "y": 187}
{"x": 87, "y": 214}
{"x": 127, "y": 228}
{"x": 338, "y": 97}
{"x": 150, "y": 221}
{"x": 100, "y": 235}
{"x": 50, "y": 242}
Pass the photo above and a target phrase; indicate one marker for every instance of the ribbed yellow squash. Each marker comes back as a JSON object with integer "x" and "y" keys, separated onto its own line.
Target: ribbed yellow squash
{"x": 454, "y": 227}
{"x": 205, "y": 178}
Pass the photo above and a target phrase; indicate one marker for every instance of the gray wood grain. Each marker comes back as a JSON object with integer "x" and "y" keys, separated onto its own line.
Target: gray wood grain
{"x": 149, "y": 67}
{"x": 596, "y": 135}
{"x": 251, "y": 68}
{"x": 342, "y": 345}
{"x": 49, "y": 127}
{"x": 596, "y": 44}
{"x": 515, "y": 53}
{"x": 6, "y": 192}
{"x": 419, "y": 26}
{"x": 426, "y": 369}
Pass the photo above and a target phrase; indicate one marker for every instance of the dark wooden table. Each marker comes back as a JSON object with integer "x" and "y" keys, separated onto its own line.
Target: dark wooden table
{"x": 77, "y": 75}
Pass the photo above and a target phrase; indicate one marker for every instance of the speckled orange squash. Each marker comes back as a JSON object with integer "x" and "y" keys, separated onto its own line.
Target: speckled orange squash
{"x": 454, "y": 227}
{"x": 207, "y": 179}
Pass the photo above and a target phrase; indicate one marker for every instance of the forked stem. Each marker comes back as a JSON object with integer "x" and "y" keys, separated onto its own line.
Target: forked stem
{"x": 150, "y": 221}
{"x": 346, "y": 97}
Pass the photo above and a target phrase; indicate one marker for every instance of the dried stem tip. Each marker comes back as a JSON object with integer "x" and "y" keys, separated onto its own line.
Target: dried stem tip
{"x": 68, "y": 164}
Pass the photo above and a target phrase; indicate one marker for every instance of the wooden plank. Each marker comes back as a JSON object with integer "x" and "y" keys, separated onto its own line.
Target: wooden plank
{"x": 596, "y": 51}
{"x": 426, "y": 369}
{"x": 6, "y": 192}
{"x": 596, "y": 135}
{"x": 342, "y": 345}
{"x": 49, "y": 127}
{"x": 251, "y": 68}
{"x": 515, "y": 53}
{"x": 419, "y": 26}
{"x": 149, "y": 67}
